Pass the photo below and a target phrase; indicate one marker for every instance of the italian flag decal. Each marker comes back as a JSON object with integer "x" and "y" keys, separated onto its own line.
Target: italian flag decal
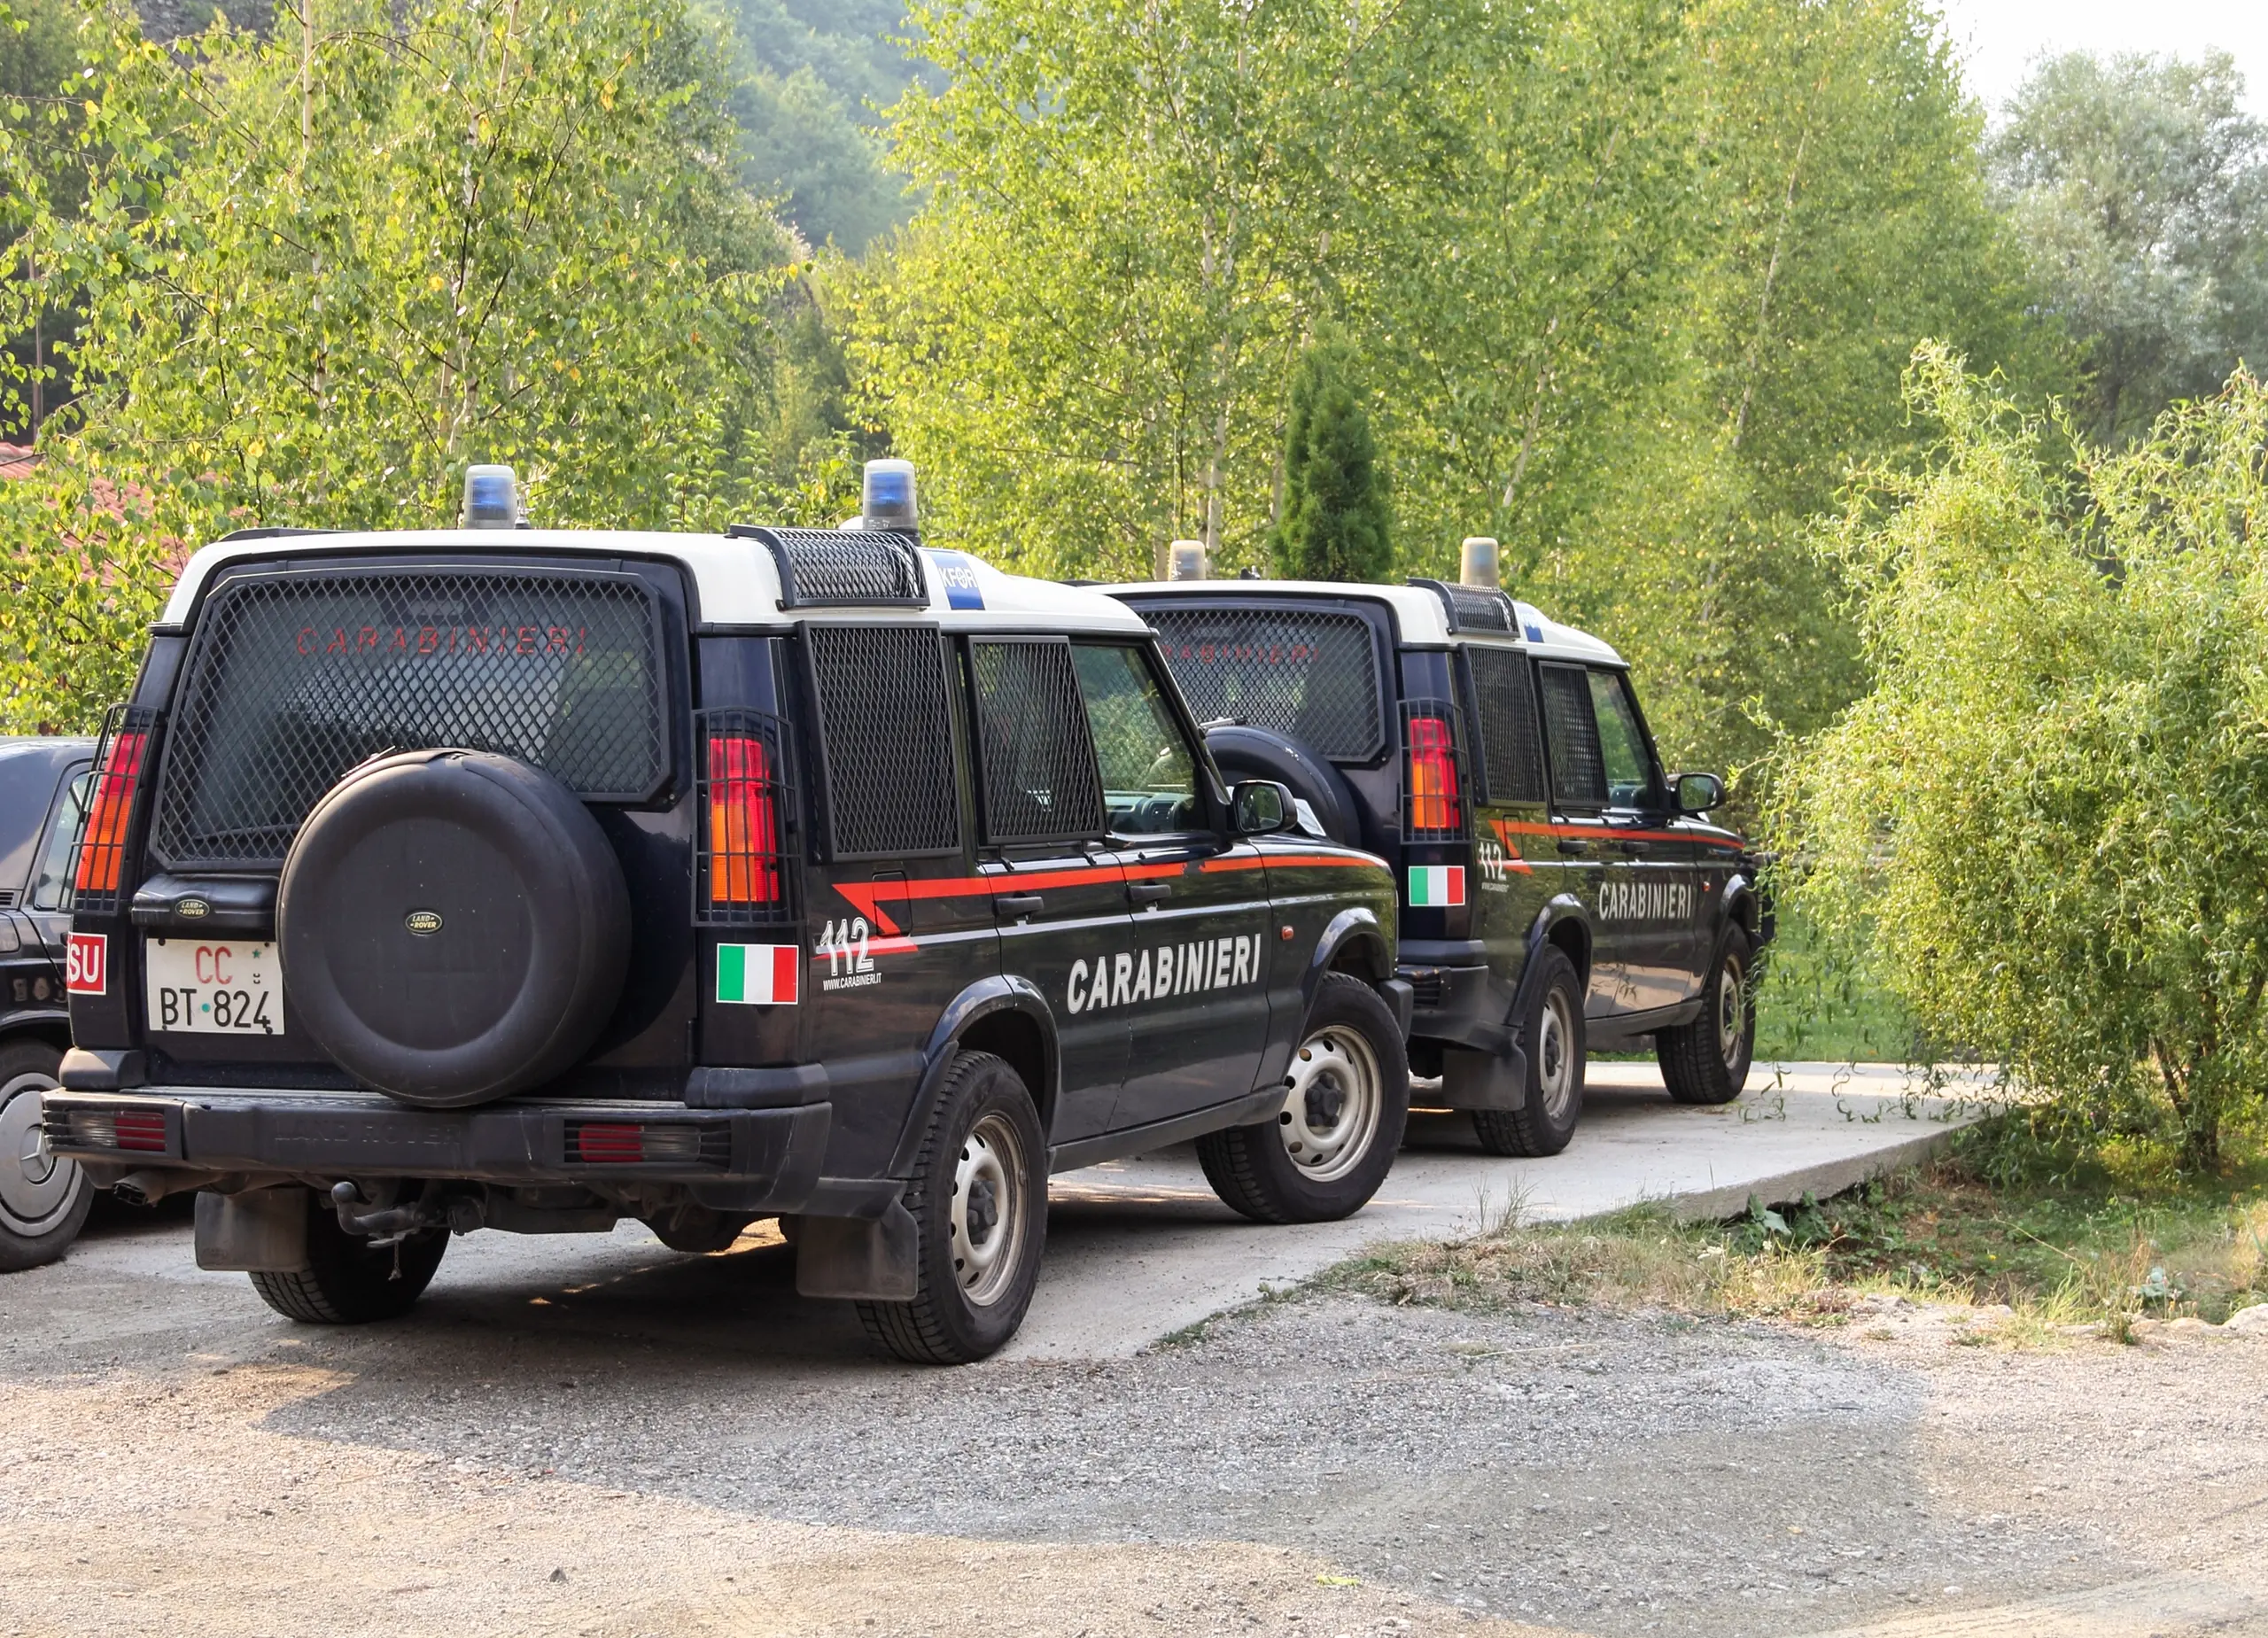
{"x": 759, "y": 974}
{"x": 1436, "y": 886}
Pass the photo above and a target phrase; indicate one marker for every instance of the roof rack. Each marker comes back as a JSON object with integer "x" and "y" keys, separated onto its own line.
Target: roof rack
{"x": 842, "y": 568}
{"x": 1474, "y": 608}
{"x": 276, "y": 533}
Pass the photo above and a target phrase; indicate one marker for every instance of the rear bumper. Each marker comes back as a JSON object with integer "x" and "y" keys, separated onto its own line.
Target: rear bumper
{"x": 740, "y": 1160}
{"x": 1460, "y": 1005}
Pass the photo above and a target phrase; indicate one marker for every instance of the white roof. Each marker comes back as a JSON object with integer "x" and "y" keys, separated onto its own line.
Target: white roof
{"x": 1417, "y": 614}
{"x": 736, "y": 579}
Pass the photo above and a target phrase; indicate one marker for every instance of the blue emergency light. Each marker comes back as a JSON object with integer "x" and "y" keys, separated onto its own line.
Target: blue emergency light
{"x": 889, "y": 496}
{"x": 492, "y": 498}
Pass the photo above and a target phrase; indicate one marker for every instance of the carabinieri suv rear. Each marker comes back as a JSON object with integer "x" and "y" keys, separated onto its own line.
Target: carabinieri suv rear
{"x": 537, "y": 879}
{"x": 1563, "y": 891}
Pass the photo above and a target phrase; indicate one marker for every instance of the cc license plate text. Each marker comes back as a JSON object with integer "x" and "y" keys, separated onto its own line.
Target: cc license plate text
{"x": 213, "y": 986}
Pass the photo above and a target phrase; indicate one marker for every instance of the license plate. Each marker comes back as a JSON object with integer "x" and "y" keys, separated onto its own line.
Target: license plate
{"x": 213, "y": 986}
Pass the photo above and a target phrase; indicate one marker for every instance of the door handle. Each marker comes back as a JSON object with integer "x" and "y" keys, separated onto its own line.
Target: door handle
{"x": 1636, "y": 849}
{"x": 1148, "y": 892}
{"x": 1573, "y": 844}
{"x": 1018, "y": 903}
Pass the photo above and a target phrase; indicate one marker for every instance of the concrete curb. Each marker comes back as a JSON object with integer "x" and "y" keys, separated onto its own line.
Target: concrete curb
{"x": 1828, "y": 1178}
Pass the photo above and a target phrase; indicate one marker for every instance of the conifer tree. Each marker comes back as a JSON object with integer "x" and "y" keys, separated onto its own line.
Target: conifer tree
{"x": 1333, "y": 524}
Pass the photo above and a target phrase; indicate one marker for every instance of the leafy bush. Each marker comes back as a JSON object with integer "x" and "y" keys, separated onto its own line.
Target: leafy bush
{"x": 2049, "y": 818}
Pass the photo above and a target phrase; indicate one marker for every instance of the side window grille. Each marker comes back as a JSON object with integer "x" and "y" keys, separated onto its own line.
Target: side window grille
{"x": 886, "y": 741}
{"x": 746, "y": 874}
{"x": 842, "y": 568}
{"x": 1310, "y": 674}
{"x": 102, "y": 868}
{"x": 1502, "y": 700}
{"x": 1040, "y": 781}
{"x": 293, "y": 679}
{"x": 1578, "y": 770}
{"x": 1473, "y": 608}
{"x": 1434, "y": 783}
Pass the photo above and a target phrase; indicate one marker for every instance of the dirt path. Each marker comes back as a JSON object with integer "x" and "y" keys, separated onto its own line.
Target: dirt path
{"x": 641, "y": 1454}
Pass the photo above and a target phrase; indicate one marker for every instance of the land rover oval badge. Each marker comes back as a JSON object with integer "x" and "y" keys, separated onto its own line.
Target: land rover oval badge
{"x": 192, "y": 908}
{"x": 423, "y": 922}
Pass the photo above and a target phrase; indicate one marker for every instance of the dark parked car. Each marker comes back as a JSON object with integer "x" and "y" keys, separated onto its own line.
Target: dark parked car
{"x": 43, "y": 1200}
{"x": 534, "y": 879}
{"x": 1562, "y": 892}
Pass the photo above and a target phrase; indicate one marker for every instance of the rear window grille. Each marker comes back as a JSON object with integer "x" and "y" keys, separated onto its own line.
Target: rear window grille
{"x": 294, "y": 679}
{"x": 1041, "y": 783}
{"x": 1577, "y": 771}
{"x": 1473, "y": 608}
{"x": 1503, "y": 707}
{"x": 886, "y": 741}
{"x": 844, "y": 568}
{"x": 1311, "y": 675}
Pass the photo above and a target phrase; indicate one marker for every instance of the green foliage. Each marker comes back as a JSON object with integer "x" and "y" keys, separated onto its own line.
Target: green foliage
{"x": 817, "y": 76}
{"x": 1334, "y": 523}
{"x": 317, "y": 287}
{"x": 2049, "y": 820}
{"x": 1630, "y": 284}
{"x": 2140, "y": 188}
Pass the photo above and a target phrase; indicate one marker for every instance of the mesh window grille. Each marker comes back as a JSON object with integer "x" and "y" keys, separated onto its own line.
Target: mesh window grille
{"x": 746, "y": 876}
{"x": 294, "y": 679}
{"x": 886, "y": 740}
{"x": 1503, "y": 707}
{"x": 1578, "y": 772}
{"x": 844, "y": 568}
{"x": 1473, "y": 608}
{"x": 1041, "y": 783}
{"x": 1311, "y": 675}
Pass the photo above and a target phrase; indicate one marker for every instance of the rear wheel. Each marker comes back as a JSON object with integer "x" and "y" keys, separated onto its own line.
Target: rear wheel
{"x": 1551, "y": 1102}
{"x": 979, "y": 1200}
{"x": 1347, "y": 1099}
{"x": 43, "y": 1200}
{"x": 1707, "y": 1061}
{"x": 348, "y": 1280}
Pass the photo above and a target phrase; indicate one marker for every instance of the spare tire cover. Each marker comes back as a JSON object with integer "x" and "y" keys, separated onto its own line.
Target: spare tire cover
{"x": 452, "y": 926}
{"x": 1247, "y": 753}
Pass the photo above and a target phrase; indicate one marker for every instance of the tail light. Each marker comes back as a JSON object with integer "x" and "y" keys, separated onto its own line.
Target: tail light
{"x": 135, "y": 1131}
{"x": 600, "y": 1143}
{"x": 1435, "y": 804}
{"x": 102, "y": 849}
{"x": 743, "y": 869}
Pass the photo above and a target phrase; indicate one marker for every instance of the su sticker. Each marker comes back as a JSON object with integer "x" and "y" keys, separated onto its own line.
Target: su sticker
{"x": 86, "y": 964}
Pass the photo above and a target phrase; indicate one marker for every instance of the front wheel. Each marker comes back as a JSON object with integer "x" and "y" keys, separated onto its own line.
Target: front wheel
{"x": 1551, "y": 1102}
{"x": 1347, "y": 1100}
{"x": 1707, "y": 1061}
{"x": 43, "y": 1200}
{"x": 979, "y": 1200}
{"x": 347, "y": 1281}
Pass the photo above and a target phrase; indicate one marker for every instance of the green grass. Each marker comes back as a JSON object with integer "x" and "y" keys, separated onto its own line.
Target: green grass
{"x": 1818, "y": 1004}
{"x": 2106, "y": 1243}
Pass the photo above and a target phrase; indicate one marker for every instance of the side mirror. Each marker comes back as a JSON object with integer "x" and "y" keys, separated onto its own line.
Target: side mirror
{"x": 1698, "y": 793}
{"x": 1260, "y": 808}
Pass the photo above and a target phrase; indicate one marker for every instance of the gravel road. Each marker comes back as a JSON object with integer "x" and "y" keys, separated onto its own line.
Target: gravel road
{"x": 1320, "y": 1464}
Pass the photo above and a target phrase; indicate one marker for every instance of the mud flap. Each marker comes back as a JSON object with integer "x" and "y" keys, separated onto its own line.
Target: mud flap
{"x": 1473, "y": 1080}
{"x": 875, "y": 1260}
{"x": 260, "y": 1231}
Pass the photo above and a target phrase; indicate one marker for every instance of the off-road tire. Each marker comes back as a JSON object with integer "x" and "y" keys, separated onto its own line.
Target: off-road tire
{"x": 1707, "y": 1061}
{"x": 1252, "y": 1168}
{"x": 983, "y": 1116}
{"x": 347, "y": 1281}
{"x": 38, "y": 1220}
{"x": 1552, "y": 1037}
